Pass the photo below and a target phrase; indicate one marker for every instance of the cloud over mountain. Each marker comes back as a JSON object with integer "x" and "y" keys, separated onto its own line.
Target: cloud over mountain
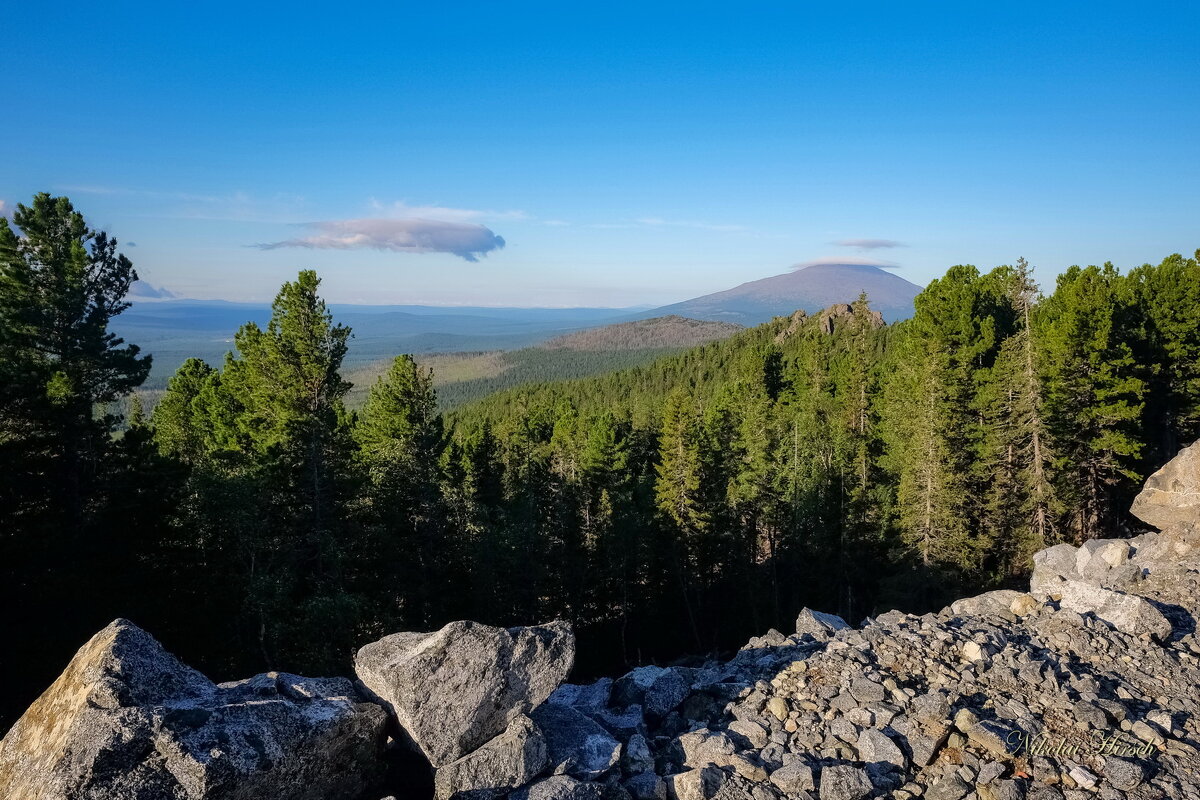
{"x": 466, "y": 240}
{"x": 869, "y": 244}
{"x": 845, "y": 261}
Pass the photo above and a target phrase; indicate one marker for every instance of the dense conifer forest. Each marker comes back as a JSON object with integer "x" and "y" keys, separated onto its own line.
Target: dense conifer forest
{"x": 253, "y": 521}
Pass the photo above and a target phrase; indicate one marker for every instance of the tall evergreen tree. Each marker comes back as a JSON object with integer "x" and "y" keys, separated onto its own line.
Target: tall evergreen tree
{"x": 399, "y": 436}
{"x": 70, "y": 518}
{"x": 1094, "y": 398}
{"x": 61, "y": 284}
{"x": 1164, "y": 306}
{"x": 1020, "y": 507}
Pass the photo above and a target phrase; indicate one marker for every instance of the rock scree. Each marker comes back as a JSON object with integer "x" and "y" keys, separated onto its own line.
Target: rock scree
{"x": 1086, "y": 686}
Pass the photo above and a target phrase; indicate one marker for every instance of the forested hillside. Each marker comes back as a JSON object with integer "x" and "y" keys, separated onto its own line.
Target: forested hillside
{"x": 463, "y": 377}
{"x": 672, "y": 508}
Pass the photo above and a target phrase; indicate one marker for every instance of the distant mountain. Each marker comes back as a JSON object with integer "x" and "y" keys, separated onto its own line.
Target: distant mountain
{"x": 668, "y": 331}
{"x": 810, "y": 288}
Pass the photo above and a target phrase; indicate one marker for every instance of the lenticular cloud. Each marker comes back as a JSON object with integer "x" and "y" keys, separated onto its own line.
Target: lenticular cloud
{"x": 466, "y": 240}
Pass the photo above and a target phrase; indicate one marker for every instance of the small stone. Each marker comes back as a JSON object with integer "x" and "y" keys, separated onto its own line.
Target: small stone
{"x": 1145, "y": 732}
{"x": 951, "y": 787}
{"x": 965, "y": 719}
{"x": 844, "y": 782}
{"x": 637, "y": 757}
{"x": 992, "y": 737}
{"x": 754, "y": 733}
{"x": 647, "y": 786}
{"x": 1123, "y": 773}
{"x": 818, "y": 624}
{"x": 696, "y": 784}
{"x": 1083, "y": 777}
{"x": 991, "y": 771}
{"x": 778, "y": 707}
{"x": 794, "y": 778}
{"x": 1023, "y": 604}
{"x": 875, "y": 746}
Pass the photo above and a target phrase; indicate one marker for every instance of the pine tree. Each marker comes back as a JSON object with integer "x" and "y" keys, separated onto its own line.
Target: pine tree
{"x": 70, "y": 519}
{"x": 1164, "y": 302}
{"x": 279, "y": 441}
{"x": 181, "y": 425}
{"x": 399, "y": 437}
{"x": 1020, "y": 506}
{"x": 61, "y": 284}
{"x": 1094, "y": 397}
{"x": 934, "y": 423}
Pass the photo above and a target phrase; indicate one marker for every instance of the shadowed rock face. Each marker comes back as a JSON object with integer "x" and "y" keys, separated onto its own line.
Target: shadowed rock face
{"x": 456, "y": 688}
{"x": 1171, "y": 496}
{"x": 128, "y": 720}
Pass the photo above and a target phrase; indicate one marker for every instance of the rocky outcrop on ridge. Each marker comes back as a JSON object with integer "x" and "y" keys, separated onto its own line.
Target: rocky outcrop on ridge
{"x": 1087, "y": 686}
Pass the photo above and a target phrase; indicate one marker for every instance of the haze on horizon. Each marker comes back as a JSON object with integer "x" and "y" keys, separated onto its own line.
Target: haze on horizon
{"x": 617, "y": 156}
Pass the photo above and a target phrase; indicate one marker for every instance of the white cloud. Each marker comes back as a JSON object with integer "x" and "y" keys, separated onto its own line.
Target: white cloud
{"x": 845, "y": 261}
{"x": 402, "y": 210}
{"x": 870, "y": 244}
{"x": 463, "y": 239}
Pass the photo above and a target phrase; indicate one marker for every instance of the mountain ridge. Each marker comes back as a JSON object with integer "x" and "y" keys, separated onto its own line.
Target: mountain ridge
{"x": 811, "y": 288}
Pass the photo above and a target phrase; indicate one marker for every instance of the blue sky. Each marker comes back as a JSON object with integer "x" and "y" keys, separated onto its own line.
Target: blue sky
{"x": 621, "y": 153}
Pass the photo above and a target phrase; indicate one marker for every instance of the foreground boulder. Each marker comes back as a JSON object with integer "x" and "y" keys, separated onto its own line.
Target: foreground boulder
{"x": 1171, "y": 496}
{"x": 454, "y": 689}
{"x": 128, "y": 720}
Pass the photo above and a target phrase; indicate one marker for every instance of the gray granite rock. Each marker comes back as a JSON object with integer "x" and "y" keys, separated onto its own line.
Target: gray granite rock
{"x": 128, "y": 721}
{"x": 578, "y": 746}
{"x": 1171, "y": 496}
{"x": 818, "y": 624}
{"x": 845, "y": 782}
{"x": 1126, "y": 612}
{"x": 559, "y": 787}
{"x": 454, "y": 689}
{"x": 500, "y": 765}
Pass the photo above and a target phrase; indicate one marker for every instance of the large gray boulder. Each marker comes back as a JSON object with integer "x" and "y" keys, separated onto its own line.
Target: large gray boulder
{"x": 1171, "y": 496}
{"x": 1051, "y": 567}
{"x": 128, "y": 720}
{"x": 578, "y": 746}
{"x": 818, "y": 624}
{"x": 1126, "y": 612}
{"x": 512, "y": 759}
{"x": 456, "y": 688}
{"x": 999, "y": 601}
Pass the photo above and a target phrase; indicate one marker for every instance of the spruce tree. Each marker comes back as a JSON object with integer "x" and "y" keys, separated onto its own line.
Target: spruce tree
{"x": 399, "y": 437}
{"x": 1164, "y": 302}
{"x": 61, "y": 284}
{"x": 1094, "y": 398}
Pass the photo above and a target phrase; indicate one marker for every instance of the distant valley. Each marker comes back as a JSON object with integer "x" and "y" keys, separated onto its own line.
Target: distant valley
{"x": 475, "y": 350}
{"x": 463, "y": 377}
